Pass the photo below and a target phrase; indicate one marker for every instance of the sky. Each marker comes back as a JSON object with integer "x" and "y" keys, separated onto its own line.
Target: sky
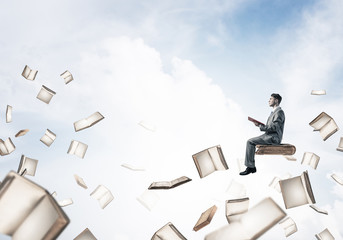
{"x": 195, "y": 70}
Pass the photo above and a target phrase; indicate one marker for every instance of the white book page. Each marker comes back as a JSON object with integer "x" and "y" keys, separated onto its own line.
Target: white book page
{"x": 216, "y": 158}
{"x": 205, "y": 163}
{"x": 328, "y": 129}
{"x": 81, "y": 124}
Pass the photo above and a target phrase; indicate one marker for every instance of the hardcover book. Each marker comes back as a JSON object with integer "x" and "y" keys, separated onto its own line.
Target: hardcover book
{"x": 29, "y": 74}
{"x": 325, "y": 125}
{"x": 205, "y": 218}
{"x": 170, "y": 184}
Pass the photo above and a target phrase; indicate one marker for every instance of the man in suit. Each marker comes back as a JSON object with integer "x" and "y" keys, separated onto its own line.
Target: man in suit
{"x": 272, "y": 136}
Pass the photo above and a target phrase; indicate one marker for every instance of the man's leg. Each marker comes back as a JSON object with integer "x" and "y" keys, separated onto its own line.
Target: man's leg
{"x": 251, "y": 148}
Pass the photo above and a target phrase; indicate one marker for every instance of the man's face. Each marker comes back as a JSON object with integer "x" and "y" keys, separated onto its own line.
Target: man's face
{"x": 272, "y": 102}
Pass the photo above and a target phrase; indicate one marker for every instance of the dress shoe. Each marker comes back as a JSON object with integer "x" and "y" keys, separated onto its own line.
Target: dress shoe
{"x": 248, "y": 171}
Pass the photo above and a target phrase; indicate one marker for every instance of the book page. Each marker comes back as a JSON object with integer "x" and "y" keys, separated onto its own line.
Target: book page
{"x": 80, "y": 181}
{"x": 164, "y": 184}
{"x": 204, "y": 163}
{"x": 337, "y": 179}
{"x": 29, "y": 164}
{"x": 314, "y": 207}
{"x": 9, "y": 145}
{"x": 94, "y": 118}
{"x": 131, "y": 167}
{"x": 320, "y": 121}
{"x": 293, "y": 192}
{"x": 308, "y": 189}
{"x": 8, "y": 114}
{"x": 217, "y": 159}
{"x": 43, "y": 215}
{"x": 328, "y": 129}
{"x": 22, "y": 132}
{"x": 179, "y": 181}
{"x": 65, "y": 202}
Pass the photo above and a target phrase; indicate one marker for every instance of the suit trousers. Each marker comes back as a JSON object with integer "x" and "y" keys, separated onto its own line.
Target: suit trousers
{"x": 264, "y": 139}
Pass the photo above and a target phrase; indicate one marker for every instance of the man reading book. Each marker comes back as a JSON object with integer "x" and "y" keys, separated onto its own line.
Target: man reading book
{"x": 272, "y": 136}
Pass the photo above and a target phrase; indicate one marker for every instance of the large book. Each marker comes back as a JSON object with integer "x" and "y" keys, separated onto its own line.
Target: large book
{"x": 205, "y": 218}
{"x": 27, "y": 166}
{"x": 169, "y": 184}
{"x": 310, "y": 159}
{"x": 28, "y": 73}
{"x": 48, "y": 138}
{"x": 337, "y": 178}
{"x": 85, "y": 235}
{"x": 325, "y": 125}
{"x": 68, "y": 77}
{"x": 88, "y": 122}
{"x": 280, "y": 149}
{"x": 28, "y": 211}
{"x": 297, "y": 191}
{"x": 289, "y": 226}
{"x": 22, "y": 132}
{"x": 340, "y": 145}
{"x": 103, "y": 195}
{"x": 168, "y": 232}
{"x": 9, "y": 114}
{"x": 255, "y": 121}
{"x": 209, "y": 161}
{"x": 6, "y": 147}
{"x": 148, "y": 199}
{"x": 45, "y": 94}
{"x": 325, "y": 235}
{"x": 77, "y": 148}
{"x": 236, "y": 208}
{"x": 253, "y": 224}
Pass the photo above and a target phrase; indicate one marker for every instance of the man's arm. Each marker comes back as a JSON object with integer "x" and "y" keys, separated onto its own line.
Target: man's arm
{"x": 275, "y": 124}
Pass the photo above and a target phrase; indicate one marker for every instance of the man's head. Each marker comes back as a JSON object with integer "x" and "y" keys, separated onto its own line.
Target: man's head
{"x": 275, "y": 100}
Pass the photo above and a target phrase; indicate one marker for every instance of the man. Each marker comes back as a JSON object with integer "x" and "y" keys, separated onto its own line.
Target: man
{"x": 272, "y": 136}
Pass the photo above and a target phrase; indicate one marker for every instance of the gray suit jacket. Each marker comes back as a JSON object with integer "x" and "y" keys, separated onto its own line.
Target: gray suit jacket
{"x": 274, "y": 125}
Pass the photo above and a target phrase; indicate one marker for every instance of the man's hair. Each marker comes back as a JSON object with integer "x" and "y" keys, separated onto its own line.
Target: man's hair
{"x": 277, "y": 96}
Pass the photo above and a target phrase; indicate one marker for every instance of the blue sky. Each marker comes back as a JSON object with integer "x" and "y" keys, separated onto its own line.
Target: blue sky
{"x": 194, "y": 69}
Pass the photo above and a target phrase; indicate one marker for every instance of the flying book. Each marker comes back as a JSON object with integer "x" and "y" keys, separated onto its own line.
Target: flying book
{"x": 275, "y": 182}
{"x": 318, "y": 92}
{"x": 205, "y": 218}
{"x": 80, "y": 181}
{"x": 65, "y": 202}
{"x": 255, "y": 121}
{"x": 148, "y": 199}
{"x": 236, "y": 190}
{"x": 297, "y": 191}
{"x": 258, "y": 220}
{"x": 27, "y": 166}
{"x": 8, "y": 114}
{"x": 48, "y": 138}
{"x": 337, "y": 179}
{"x": 147, "y": 126}
{"x": 6, "y": 147}
{"x": 324, "y": 235}
{"x": 170, "y": 184}
{"x": 235, "y": 208}
{"x": 325, "y": 125}
{"x": 29, "y": 74}
{"x": 68, "y": 77}
{"x": 310, "y": 159}
{"x": 290, "y": 158}
{"x": 168, "y": 232}
{"x": 77, "y": 148}
{"x": 209, "y": 161}
{"x": 289, "y": 226}
{"x": 22, "y": 132}
{"x": 340, "y": 145}
{"x": 103, "y": 195}
{"x": 28, "y": 211}
{"x": 133, "y": 168}
{"x": 88, "y": 122}
{"x": 45, "y": 94}
{"x": 85, "y": 235}
{"x": 314, "y": 207}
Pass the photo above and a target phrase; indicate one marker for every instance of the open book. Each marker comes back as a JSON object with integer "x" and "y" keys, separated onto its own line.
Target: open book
{"x": 205, "y": 218}
{"x": 9, "y": 114}
{"x": 258, "y": 220}
{"x": 314, "y": 207}
{"x": 209, "y": 161}
{"x": 325, "y": 125}
{"x": 103, "y": 195}
{"x": 235, "y": 209}
{"x": 325, "y": 235}
{"x": 170, "y": 184}
{"x": 310, "y": 159}
{"x": 255, "y": 121}
{"x": 297, "y": 191}
{"x": 131, "y": 167}
{"x": 21, "y": 132}
{"x": 48, "y": 138}
{"x": 6, "y": 147}
{"x": 88, "y": 122}
{"x": 340, "y": 145}
{"x": 45, "y": 94}
{"x": 27, "y": 166}
{"x": 29, "y": 74}
{"x": 28, "y": 211}
{"x": 289, "y": 226}
{"x": 77, "y": 148}
{"x": 80, "y": 181}
{"x": 65, "y": 202}
{"x": 337, "y": 179}
{"x": 85, "y": 235}
{"x": 68, "y": 77}
{"x": 168, "y": 232}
